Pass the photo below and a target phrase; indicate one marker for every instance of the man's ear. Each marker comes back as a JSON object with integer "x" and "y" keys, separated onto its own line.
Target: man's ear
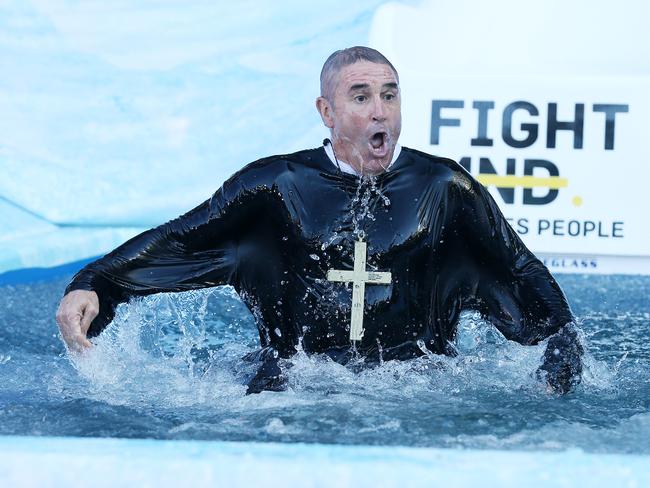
{"x": 325, "y": 110}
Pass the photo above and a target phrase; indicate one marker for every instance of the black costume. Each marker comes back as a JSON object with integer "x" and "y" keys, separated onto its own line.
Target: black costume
{"x": 276, "y": 227}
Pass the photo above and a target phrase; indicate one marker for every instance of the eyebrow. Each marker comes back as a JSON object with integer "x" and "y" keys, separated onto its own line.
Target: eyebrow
{"x": 363, "y": 86}
{"x": 359, "y": 86}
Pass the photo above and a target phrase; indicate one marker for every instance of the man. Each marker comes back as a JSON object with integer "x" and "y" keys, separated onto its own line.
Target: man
{"x": 359, "y": 247}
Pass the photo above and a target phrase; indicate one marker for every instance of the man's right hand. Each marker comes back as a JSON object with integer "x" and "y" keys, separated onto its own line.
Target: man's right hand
{"x": 74, "y": 316}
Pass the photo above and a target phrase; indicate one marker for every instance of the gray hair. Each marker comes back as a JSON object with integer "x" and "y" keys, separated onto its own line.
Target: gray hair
{"x": 345, "y": 57}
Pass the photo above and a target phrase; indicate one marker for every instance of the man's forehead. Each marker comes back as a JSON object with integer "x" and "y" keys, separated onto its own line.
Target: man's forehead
{"x": 366, "y": 73}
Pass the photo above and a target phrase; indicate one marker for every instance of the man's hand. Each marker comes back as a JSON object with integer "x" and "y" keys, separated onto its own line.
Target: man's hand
{"x": 76, "y": 311}
{"x": 562, "y": 365}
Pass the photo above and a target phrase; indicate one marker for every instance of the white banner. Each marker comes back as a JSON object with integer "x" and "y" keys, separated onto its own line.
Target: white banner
{"x": 564, "y": 158}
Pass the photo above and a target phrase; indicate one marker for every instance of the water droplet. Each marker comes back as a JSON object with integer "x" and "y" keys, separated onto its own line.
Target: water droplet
{"x": 277, "y": 332}
{"x": 314, "y": 257}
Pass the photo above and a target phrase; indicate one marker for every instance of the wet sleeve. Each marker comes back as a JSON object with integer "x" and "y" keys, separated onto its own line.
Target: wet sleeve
{"x": 195, "y": 250}
{"x": 513, "y": 289}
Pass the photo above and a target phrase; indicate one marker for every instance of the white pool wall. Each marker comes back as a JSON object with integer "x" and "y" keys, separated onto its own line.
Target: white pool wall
{"x": 78, "y": 462}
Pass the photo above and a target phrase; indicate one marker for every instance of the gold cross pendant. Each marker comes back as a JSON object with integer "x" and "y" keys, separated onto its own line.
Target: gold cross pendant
{"x": 359, "y": 277}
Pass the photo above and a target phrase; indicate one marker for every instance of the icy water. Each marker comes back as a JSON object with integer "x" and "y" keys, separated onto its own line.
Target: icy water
{"x": 169, "y": 367}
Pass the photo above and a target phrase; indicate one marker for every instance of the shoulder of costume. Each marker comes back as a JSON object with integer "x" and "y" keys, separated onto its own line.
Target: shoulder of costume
{"x": 443, "y": 168}
{"x": 265, "y": 173}
{"x": 279, "y": 163}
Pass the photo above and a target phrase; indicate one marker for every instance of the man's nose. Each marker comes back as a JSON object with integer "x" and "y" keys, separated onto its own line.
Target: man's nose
{"x": 378, "y": 110}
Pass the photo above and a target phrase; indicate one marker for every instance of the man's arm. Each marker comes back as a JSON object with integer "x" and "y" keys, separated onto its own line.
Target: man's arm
{"x": 516, "y": 292}
{"x": 193, "y": 251}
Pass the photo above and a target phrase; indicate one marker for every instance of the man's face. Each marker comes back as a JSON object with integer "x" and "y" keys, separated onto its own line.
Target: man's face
{"x": 365, "y": 116}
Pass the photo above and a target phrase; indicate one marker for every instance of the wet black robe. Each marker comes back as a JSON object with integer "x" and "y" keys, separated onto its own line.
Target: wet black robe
{"x": 274, "y": 229}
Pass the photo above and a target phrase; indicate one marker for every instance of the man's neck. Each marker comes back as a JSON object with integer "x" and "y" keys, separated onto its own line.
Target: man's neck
{"x": 348, "y": 168}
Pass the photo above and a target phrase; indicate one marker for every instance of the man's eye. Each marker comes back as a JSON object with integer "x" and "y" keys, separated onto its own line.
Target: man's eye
{"x": 389, "y": 96}
{"x": 360, "y": 98}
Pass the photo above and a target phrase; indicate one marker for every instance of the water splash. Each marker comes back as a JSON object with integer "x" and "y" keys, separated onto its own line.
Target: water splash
{"x": 170, "y": 366}
{"x": 172, "y": 350}
{"x": 367, "y": 194}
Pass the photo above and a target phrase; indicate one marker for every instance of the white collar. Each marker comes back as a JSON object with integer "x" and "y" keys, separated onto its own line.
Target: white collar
{"x": 346, "y": 168}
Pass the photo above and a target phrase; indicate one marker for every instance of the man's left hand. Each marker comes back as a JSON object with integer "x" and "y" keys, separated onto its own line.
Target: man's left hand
{"x": 561, "y": 368}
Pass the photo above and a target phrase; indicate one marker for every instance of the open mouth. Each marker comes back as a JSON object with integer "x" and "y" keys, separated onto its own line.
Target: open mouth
{"x": 378, "y": 143}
